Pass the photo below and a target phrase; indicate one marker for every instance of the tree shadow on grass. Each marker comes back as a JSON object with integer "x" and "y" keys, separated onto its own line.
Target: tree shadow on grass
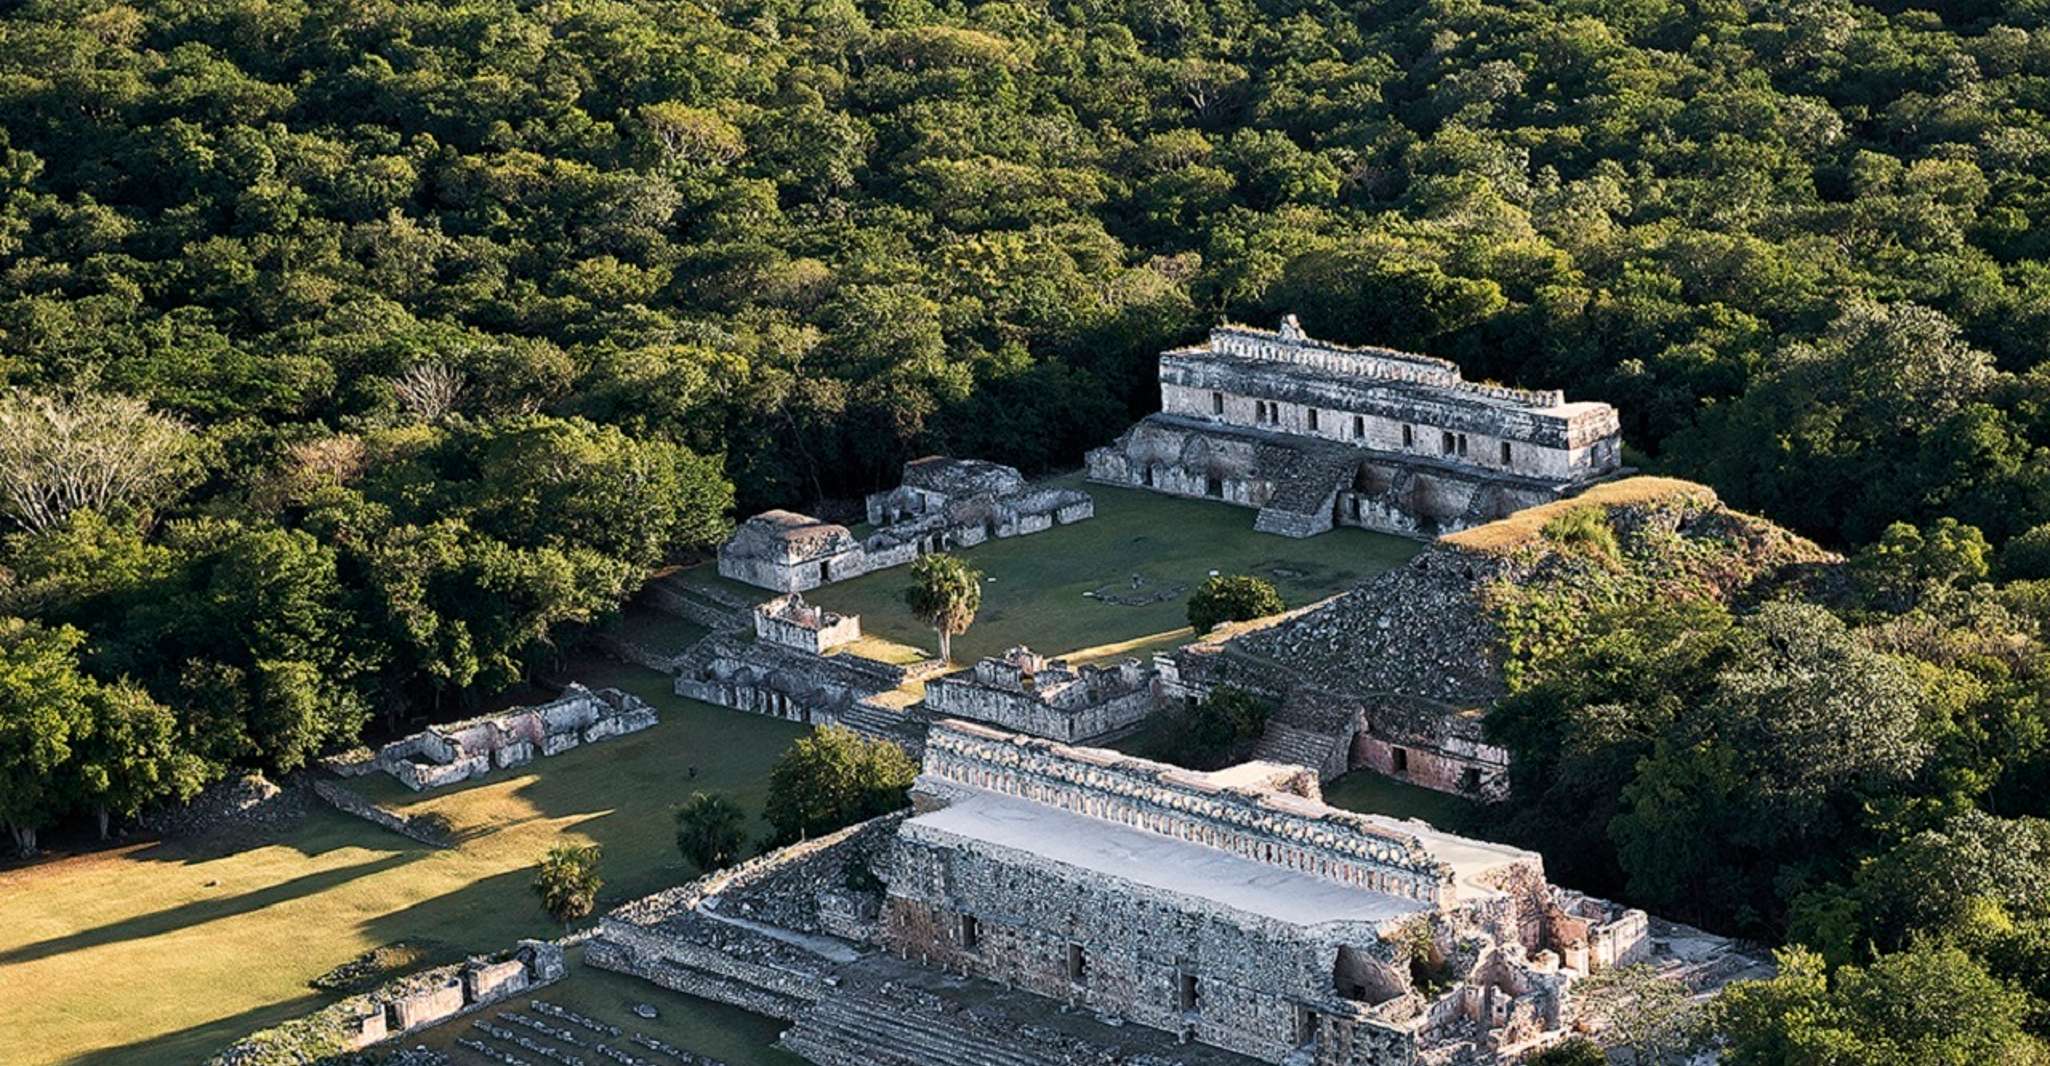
{"x": 198, "y": 1042}
{"x": 171, "y": 919}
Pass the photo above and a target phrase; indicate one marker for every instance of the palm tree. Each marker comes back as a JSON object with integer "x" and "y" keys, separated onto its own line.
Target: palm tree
{"x": 710, "y": 831}
{"x": 945, "y": 593}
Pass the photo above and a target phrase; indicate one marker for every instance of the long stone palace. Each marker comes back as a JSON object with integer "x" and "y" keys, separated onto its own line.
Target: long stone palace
{"x": 1043, "y": 903}
{"x": 1316, "y": 434}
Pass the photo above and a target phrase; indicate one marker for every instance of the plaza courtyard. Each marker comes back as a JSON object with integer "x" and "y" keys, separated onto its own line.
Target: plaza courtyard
{"x": 1117, "y": 583}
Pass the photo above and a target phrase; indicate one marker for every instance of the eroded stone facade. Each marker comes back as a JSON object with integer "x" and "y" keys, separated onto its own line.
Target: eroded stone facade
{"x": 1031, "y": 694}
{"x": 1217, "y": 907}
{"x": 943, "y": 504}
{"x": 457, "y": 751}
{"x": 1316, "y": 434}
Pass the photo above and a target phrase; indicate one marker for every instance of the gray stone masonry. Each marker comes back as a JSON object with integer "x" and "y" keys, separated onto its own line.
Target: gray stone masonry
{"x": 1316, "y": 434}
{"x": 1027, "y": 693}
{"x": 943, "y": 504}
{"x": 442, "y": 755}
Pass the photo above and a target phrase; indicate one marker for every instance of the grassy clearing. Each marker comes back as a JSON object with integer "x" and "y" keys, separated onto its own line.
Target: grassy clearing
{"x": 162, "y": 953}
{"x": 1370, "y": 793}
{"x": 1035, "y": 584}
{"x": 1508, "y": 534}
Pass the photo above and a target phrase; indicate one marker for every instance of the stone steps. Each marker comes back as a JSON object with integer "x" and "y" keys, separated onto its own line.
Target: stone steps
{"x": 899, "y": 728}
{"x": 846, "y": 1031}
{"x": 1301, "y": 506}
{"x": 1283, "y": 743}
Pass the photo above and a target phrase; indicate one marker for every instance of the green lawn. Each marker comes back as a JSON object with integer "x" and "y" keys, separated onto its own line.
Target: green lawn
{"x": 163, "y": 953}
{"x": 1370, "y": 793}
{"x": 1033, "y": 592}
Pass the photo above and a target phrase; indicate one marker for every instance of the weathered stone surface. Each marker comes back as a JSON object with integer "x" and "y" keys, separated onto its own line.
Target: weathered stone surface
{"x": 1316, "y": 434}
{"x": 457, "y": 751}
{"x": 943, "y": 504}
{"x": 1027, "y": 693}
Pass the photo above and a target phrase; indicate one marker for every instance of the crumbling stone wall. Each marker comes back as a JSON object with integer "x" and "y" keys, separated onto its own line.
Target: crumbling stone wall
{"x": 442, "y": 755}
{"x": 943, "y": 504}
{"x": 789, "y": 621}
{"x": 1026, "y": 693}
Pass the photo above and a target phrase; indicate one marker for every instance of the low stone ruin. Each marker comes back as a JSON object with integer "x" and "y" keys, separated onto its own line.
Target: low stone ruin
{"x": 404, "y": 1005}
{"x": 943, "y": 504}
{"x": 442, "y": 755}
{"x": 1029, "y": 693}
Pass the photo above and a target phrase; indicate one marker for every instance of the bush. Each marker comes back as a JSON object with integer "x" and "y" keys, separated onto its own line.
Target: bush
{"x": 1586, "y": 531}
{"x": 2027, "y": 556}
{"x": 1232, "y": 599}
{"x": 1217, "y": 732}
{"x": 710, "y": 831}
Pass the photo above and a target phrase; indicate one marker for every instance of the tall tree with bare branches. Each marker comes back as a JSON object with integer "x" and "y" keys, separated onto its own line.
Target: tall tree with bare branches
{"x": 63, "y": 453}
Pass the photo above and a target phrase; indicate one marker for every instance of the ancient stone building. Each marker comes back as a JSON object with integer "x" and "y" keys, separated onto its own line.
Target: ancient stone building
{"x": 796, "y": 667}
{"x": 1315, "y": 434}
{"x": 943, "y": 504}
{"x": 1233, "y": 915}
{"x": 1027, "y": 693}
{"x": 457, "y": 751}
{"x": 1232, "y": 907}
{"x": 793, "y": 623}
{"x": 790, "y": 552}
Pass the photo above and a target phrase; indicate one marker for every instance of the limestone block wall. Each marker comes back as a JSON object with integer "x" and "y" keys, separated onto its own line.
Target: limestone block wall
{"x": 811, "y": 629}
{"x": 1023, "y": 713}
{"x": 1256, "y": 984}
{"x": 426, "y": 1007}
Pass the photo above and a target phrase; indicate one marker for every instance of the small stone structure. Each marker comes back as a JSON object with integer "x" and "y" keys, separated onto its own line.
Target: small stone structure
{"x": 1025, "y": 692}
{"x": 406, "y": 1004}
{"x": 942, "y": 504}
{"x": 1316, "y": 434}
{"x": 457, "y": 751}
{"x": 793, "y": 623}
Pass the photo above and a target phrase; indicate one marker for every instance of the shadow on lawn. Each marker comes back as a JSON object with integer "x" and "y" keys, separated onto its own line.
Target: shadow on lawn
{"x": 198, "y": 912}
{"x": 196, "y": 1043}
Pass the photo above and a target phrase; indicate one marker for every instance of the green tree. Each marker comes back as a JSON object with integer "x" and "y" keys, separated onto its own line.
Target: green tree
{"x": 568, "y": 882}
{"x": 1217, "y": 732}
{"x": 1575, "y": 1051}
{"x": 129, "y": 755}
{"x": 1924, "y": 1005}
{"x": 710, "y": 831}
{"x": 834, "y": 778}
{"x": 945, "y": 593}
{"x": 1235, "y": 598}
{"x": 45, "y": 708}
{"x": 1908, "y": 564}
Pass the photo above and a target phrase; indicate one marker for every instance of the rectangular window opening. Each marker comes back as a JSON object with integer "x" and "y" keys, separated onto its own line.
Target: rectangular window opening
{"x": 1505, "y": 453}
{"x": 1216, "y": 403}
{"x": 1189, "y": 996}
{"x": 1078, "y": 963}
{"x": 1446, "y": 443}
{"x": 971, "y": 932}
{"x": 1462, "y": 444}
{"x": 1214, "y": 486}
{"x": 1408, "y": 436}
{"x": 1398, "y": 760}
{"x": 1359, "y": 427}
{"x": 1313, "y": 418}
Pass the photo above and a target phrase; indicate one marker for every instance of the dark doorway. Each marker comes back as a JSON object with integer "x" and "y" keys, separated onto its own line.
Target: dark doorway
{"x": 1398, "y": 760}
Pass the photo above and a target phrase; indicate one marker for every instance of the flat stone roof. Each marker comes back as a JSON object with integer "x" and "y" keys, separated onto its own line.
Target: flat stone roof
{"x": 1158, "y": 862}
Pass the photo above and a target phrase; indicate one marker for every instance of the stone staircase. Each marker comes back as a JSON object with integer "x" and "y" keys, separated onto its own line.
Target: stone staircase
{"x": 1286, "y": 743}
{"x": 903, "y": 728}
{"x": 851, "y": 1031}
{"x": 1301, "y": 506}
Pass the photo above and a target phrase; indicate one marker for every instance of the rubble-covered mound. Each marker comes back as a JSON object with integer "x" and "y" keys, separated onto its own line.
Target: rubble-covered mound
{"x": 1454, "y": 624}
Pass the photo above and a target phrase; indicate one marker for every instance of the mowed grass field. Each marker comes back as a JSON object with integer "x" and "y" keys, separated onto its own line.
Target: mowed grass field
{"x": 163, "y": 953}
{"x": 1033, "y": 592}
